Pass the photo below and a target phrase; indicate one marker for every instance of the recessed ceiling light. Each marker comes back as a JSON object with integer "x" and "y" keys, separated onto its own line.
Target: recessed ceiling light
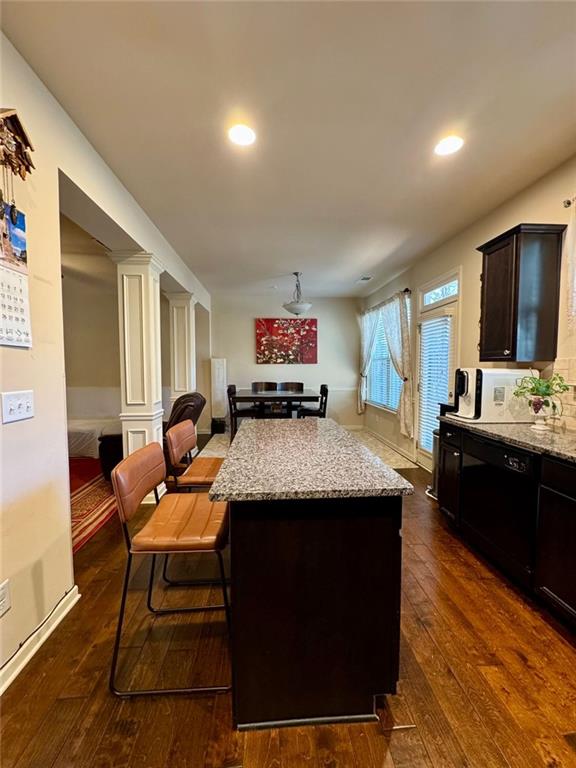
{"x": 242, "y": 135}
{"x": 448, "y": 145}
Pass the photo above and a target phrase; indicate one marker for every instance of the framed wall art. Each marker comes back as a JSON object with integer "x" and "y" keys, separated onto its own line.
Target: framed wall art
{"x": 286, "y": 340}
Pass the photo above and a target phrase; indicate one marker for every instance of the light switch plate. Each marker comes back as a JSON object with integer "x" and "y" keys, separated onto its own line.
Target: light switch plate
{"x": 17, "y": 405}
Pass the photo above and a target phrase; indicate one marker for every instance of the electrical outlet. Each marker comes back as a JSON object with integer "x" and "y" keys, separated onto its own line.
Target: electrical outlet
{"x": 17, "y": 405}
{"x": 5, "y": 603}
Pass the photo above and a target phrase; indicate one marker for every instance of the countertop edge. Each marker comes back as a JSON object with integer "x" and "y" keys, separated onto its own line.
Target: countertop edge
{"x": 314, "y": 495}
{"x": 534, "y": 447}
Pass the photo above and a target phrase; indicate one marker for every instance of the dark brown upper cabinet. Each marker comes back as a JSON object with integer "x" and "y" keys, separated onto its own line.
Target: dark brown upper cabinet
{"x": 521, "y": 294}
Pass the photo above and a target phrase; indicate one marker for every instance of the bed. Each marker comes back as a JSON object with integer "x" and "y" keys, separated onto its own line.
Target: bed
{"x": 83, "y": 435}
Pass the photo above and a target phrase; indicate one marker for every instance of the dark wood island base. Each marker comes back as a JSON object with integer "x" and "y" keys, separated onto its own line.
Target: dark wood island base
{"x": 315, "y": 545}
{"x": 316, "y": 608}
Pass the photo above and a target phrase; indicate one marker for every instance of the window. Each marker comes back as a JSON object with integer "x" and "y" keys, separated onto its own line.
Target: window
{"x": 384, "y": 384}
{"x": 439, "y": 293}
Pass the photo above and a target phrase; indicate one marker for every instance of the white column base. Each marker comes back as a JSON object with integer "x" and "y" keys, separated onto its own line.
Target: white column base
{"x": 140, "y": 429}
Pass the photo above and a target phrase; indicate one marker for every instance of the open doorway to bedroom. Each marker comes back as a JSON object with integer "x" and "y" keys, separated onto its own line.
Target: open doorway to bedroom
{"x": 92, "y": 362}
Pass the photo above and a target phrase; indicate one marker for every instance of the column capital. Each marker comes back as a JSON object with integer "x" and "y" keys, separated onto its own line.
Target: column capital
{"x": 180, "y": 297}
{"x": 136, "y": 258}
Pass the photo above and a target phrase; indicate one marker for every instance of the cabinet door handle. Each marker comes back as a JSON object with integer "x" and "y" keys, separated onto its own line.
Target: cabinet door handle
{"x": 506, "y": 351}
{"x": 449, "y": 434}
{"x": 456, "y": 453}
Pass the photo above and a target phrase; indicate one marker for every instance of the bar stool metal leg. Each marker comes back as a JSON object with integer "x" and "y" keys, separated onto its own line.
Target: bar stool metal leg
{"x": 163, "y": 611}
{"x": 127, "y": 693}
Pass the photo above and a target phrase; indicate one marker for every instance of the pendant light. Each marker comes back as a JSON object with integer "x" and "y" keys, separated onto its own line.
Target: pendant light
{"x": 298, "y": 305}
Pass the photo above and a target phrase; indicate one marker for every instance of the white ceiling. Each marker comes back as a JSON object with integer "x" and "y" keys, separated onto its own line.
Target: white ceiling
{"x": 348, "y": 99}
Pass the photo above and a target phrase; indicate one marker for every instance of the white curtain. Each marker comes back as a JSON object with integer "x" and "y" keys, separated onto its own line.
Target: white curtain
{"x": 368, "y": 325}
{"x": 397, "y": 332}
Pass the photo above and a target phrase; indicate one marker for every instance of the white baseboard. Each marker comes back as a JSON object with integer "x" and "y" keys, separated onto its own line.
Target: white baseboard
{"x": 390, "y": 444}
{"x": 26, "y": 651}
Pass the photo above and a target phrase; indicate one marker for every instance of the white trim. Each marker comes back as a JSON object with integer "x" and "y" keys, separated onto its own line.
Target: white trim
{"x": 373, "y": 404}
{"x": 27, "y": 650}
{"x": 438, "y": 282}
{"x": 393, "y": 446}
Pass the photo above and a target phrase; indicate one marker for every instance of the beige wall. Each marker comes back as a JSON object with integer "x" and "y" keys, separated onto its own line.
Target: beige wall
{"x": 338, "y": 348}
{"x": 36, "y": 552}
{"x": 91, "y": 343}
{"x": 542, "y": 203}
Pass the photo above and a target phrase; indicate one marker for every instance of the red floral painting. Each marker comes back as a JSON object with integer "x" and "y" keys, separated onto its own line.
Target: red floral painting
{"x": 286, "y": 340}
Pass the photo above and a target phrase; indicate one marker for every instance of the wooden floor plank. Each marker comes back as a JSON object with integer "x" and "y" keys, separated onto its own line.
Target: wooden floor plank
{"x": 486, "y": 678}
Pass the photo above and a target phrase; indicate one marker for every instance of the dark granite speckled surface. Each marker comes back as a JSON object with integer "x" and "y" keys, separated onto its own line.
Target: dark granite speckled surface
{"x": 274, "y": 459}
{"x": 562, "y": 445}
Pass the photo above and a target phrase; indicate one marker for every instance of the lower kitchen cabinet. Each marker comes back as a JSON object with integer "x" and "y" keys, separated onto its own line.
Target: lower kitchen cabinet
{"x": 516, "y": 507}
{"x": 449, "y": 464}
{"x": 555, "y": 576}
{"x": 449, "y": 481}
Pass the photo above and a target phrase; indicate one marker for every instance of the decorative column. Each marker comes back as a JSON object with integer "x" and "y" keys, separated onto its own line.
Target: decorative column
{"x": 182, "y": 344}
{"x": 140, "y": 363}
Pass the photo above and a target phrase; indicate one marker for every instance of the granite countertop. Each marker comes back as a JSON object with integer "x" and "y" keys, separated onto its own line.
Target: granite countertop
{"x": 562, "y": 445}
{"x": 274, "y": 459}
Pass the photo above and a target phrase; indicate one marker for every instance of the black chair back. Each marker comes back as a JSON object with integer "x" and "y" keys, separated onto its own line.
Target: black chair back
{"x": 323, "y": 400}
{"x": 264, "y": 386}
{"x": 291, "y": 386}
{"x": 188, "y": 406}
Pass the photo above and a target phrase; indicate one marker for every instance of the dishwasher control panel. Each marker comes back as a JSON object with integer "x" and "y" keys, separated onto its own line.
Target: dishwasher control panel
{"x": 516, "y": 463}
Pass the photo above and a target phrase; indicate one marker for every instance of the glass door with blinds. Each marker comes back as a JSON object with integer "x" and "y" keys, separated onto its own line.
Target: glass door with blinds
{"x": 436, "y": 366}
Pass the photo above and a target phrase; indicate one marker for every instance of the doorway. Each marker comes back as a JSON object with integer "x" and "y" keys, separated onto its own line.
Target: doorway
{"x": 437, "y": 353}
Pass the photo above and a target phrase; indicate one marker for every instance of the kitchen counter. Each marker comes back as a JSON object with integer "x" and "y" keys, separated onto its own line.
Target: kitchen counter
{"x": 281, "y": 459}
{"x": 561, "y": 445}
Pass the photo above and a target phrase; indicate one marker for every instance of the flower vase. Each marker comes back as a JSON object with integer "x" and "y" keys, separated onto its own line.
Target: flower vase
{"x": 540, "y": 424}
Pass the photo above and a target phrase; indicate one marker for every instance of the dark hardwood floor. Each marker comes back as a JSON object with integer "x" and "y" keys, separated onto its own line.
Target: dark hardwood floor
{"x": 486, "y": 678}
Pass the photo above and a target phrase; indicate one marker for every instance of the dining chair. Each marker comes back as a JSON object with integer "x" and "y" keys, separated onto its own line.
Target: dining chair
{"x": 264, "y": 386}
{"x": 186, "y": 475}
{"x": 237, "y": 412}
{"x": 180, "y": 524}
{"x": 321, "y": 410}
{"x": 291, "y": 386}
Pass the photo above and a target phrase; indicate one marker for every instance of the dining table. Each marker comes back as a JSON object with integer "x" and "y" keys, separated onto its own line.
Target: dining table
{"x": 273, "y": 396}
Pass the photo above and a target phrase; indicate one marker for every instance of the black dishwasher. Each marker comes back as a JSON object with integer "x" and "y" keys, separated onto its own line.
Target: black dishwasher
{"x": 499, "y": 494}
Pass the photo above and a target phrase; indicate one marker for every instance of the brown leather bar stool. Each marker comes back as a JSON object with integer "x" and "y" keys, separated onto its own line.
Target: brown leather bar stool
{"x": 200, "y": 472}
{"x": 180, "y": 524}
{"x": 198, "y": 475}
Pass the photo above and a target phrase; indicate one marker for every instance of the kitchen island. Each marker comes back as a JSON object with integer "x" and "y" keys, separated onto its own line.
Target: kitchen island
{"x": 315, "y": 569}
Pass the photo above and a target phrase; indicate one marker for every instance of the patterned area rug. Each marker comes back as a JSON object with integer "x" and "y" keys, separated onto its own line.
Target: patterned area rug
{"x": 92, "y": 500}
{"x": 218, "y": 446}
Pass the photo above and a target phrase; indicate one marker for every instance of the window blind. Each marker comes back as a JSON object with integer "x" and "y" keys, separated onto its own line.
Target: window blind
{"x": 436, "y": 361}
{"x": 384, "y": 384}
